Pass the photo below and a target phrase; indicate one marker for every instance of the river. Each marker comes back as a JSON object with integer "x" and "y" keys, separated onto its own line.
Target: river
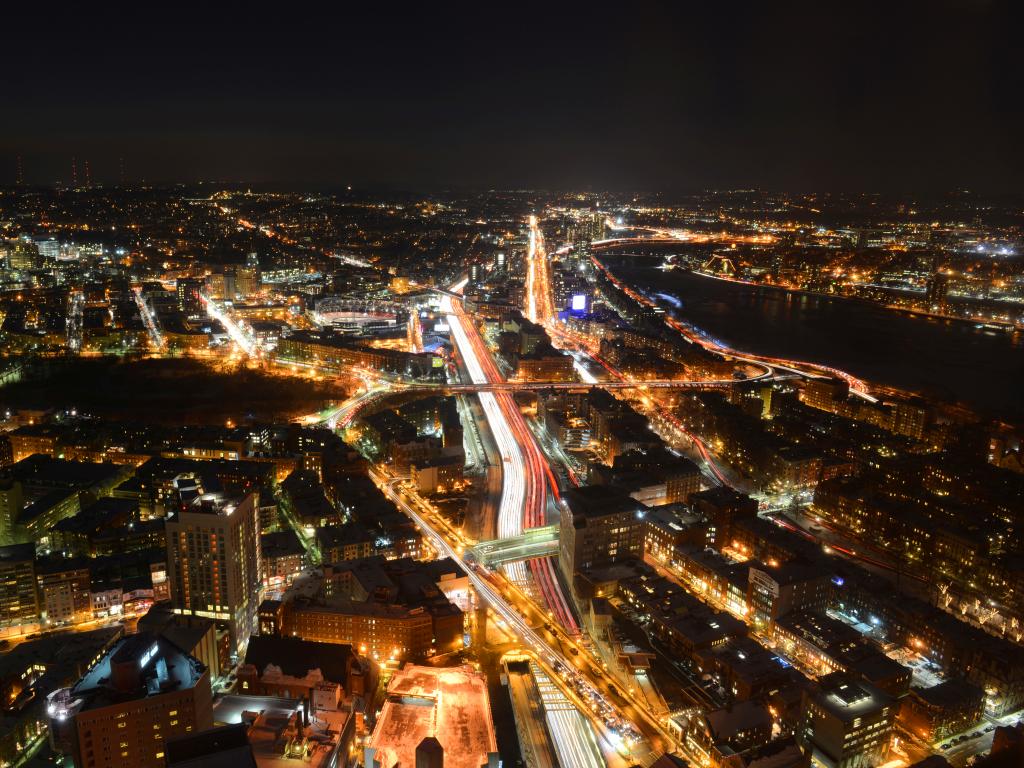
{"x": 949, "y": 360}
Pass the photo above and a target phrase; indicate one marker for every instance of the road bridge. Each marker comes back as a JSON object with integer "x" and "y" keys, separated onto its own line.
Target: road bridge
{"x": 445, "y": 292}
{"x": 506, "y": 386}
{"x": 531, "y": 543}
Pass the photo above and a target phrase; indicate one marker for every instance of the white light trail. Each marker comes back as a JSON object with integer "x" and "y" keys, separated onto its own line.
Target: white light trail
{"x": 235, "y": 332}
{"x": 351, "y": 260}
{"x": 585, "y": 376}
{"x": 147, "y": 319}
{"x": 513, "y": 488}
{"x": 571, "y": 733}
{"x": 531, "y": 287}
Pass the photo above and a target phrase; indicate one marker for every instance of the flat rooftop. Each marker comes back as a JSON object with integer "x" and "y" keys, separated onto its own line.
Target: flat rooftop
{"x": 229, "y": 710}
{"x": 449, "y": 704}
{"x": 269, "y": 718}
{"x": 159, "y": 667}
{"x": 848, "y": 699}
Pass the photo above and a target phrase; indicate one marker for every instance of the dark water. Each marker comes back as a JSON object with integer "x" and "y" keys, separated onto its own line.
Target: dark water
{"x": 951, "y": 360}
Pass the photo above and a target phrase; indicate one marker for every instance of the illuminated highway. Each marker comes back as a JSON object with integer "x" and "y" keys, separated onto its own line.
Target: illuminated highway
{"x": 588, "y": 380}
{"x": 513, "y": 491}
{"x": 540, "y": 305}
{"x": 513, "y": 609}
{"x": 148, "y": 320}
{"x": 534, "y": 542}
{"x": 571, "y": 733}
{"x": 341, "y": 416}
{"x": 76, "y": 300}
{"x": 524, "y": 471}
{"x": 812, "y": 370}
{"x": 239, "y": 335}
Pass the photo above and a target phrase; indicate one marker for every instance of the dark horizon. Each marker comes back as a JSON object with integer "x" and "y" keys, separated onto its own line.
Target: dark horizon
{"x": 923, "y": 98}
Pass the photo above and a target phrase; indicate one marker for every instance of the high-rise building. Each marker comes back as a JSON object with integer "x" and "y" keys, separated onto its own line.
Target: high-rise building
{"x": 142, "y": 692}
{"x": 216, "y": 286}
{"x": 247, "y": 281}
{"x": 12, "y": 501}
{"x": 213, "y": 562}
{"x": 603, "y": 525}
{"x": 581, "y": 231}
{"x": 24, "y": 255}
{"x": 19, "y": 601}
{"x": 936, "y": 289}
{"x": 240, "y": 281}
{"x": 188, "y": 290}
{"x": 49, "y": 248}
{"x": 570, "y": 290}
{"x": 845, "y": 723}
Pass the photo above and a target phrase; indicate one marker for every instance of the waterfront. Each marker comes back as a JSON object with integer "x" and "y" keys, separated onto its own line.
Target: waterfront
{"x": 950, "y": 360}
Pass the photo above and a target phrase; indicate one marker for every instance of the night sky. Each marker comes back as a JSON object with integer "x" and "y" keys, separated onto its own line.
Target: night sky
{"x": 631, "y": 96}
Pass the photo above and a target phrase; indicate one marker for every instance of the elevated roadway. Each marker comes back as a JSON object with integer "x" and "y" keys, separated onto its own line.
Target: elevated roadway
{"x": 534, "y": 542}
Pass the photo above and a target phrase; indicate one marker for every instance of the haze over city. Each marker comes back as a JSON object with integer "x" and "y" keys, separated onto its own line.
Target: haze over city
{"x": 656, "y": 97}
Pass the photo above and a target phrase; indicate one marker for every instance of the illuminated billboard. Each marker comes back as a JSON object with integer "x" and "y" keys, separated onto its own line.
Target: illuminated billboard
{"x": 579, "y": 302}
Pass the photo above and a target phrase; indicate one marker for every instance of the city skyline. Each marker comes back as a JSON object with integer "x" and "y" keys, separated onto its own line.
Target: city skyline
{"x": 657, "y": 97}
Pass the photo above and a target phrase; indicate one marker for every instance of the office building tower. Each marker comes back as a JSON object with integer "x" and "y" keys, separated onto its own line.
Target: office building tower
{"x": 936, "y": 289}
{"x": 213, "y": 561}
{"x": 49, "y": 249}
{"x": 19, "y": 601}
{"x": 188, "y": 290}
{"x": 24, "y": 255}
{"x": 12, "y": 501}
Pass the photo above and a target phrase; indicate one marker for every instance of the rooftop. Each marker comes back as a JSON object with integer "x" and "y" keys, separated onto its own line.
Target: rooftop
{"x": 848, "y": 699}
{"x": 225, "y": 747}
{"x": 137, "y": 667}
{"x": 601, "y": 500}
{"x": 449, "y": 704}
{"x": 296, "y": 657}
{"x": 46, "y": 472}
{"x": 18, "y": 553}
{"x": 278, "y": 733}
{"x": 727, "y": 724}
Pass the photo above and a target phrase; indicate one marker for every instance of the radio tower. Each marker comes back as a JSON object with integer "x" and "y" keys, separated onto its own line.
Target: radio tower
{"x": 88, "y": 176}
{"x": 19, "y": 177}
{"x": 74, "y": 172}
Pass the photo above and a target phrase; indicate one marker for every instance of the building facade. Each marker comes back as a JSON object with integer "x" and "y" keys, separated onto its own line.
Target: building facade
{"x": 213, "y": 561}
